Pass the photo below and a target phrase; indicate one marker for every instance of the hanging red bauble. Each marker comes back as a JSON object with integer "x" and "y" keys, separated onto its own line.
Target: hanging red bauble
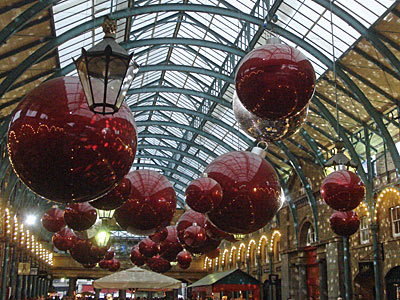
{"x": 194, "y": 236}
{"x": 344, "y": 223}
{"x": 251, "y": 192}
{"x": 64, "y": 152}
{"x": 171, "y": 246}
{"x": 188, "y": 218}
{"x": 98, "y": 251}
{"x": 343, "y": 190}
{"x": 105, "y": 264}
{"x": 158, "y": 264}
{"x": 115, "y": 198}
{"x": 89, "y": 266}
{"x": 148, "y": 248}
{"x": 203, "y": 194}
{"x": 109, "y": 254}
{"x": 80, "y": 216}
{"x": 81, "y": 251}
{"x": 208, "y": 246}
{"x": 136, "y": 257}
{"x": 217, "y": 234}
{"x": 160, "y": 236}
{"x": 275, "y": 81}
{"x": 114, "y": 265}
{"x": 183, "y": 267}
{"x": 184, "y": 258}
{"x": 213, "y": 253}
{"x": 151, "y": 204}
{"x": 53, "y": 219}
{"x": 64, "y": 239}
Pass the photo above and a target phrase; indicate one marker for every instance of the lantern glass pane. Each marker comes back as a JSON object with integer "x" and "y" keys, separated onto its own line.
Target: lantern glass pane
{"x": 84, "y": 78}
{"x": 129, "y": 77}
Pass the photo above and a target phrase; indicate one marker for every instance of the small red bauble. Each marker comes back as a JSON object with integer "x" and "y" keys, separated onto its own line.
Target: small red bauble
{"x": 344, "y": 223}
{"x": 114, "y": 265}
{"x": 213, "y": 254}
{"x": 203, "y": 194}
{"x": 343, "y": 190}
{"x": 158, "y": 264}
{"x": 151, "y": 204}
{"x": 194, "y": 236}
{"x": 275, "y": 81}
{"x": 80, "y": 216}
{"x": 64, "y": 152}
{"x": 105, "y": 264}
{"x": 188, "y": 218}
{"x": 109, "y": 254}
{"x": 136, "y": 257}
{"x": 171, "y": 246}
{"x": 184, "y": 267}
{"x": 158, "y": 237}
{"x": 251, "y": 192}
{"x": 115, "y": 198}
{"x": 208, "y": 246}
{"x": 81, "y": 251}
{"x": 148, "y": 248}
{"x": 53, "y": 219}
{"x": 64, "y": 239}
{"x": 184, "y": 258}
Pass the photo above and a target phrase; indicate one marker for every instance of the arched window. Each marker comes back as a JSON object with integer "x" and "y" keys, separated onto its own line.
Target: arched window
{"x": 310, "y": 236}
{"x": 307, "y": 234}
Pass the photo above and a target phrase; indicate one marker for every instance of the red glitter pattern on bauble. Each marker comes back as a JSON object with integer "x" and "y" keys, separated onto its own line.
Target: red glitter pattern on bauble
{"x": 53, "y": 219}
{"x": 80, "y": 216}
{"x": 115, "y": 198}
{"x": 344, "y": 223}
{"x": 203, "y": 194}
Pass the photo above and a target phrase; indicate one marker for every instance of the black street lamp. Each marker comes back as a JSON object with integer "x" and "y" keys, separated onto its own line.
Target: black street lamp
{"x": 106, "y": 72}
{"x": 339, "y": 161}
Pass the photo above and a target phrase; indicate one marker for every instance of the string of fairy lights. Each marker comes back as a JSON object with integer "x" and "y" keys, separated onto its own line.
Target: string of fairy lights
{"x": 22, "y": 237}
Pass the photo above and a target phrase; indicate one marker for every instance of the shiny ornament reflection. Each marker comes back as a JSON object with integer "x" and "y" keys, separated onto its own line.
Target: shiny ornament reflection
{"x": 136, "y": 257}
{"x": 64, "y": 152}
{"x": 267, "y": 130}
{"x": 158, "y": 264}
{"x": 80, "y": 216}
{"x": 343, "y": 190}
{"x": 171, "y": 246}
{"x": 148, "y": 248}
{"x": 203, "y": 194}
{"x": 64, "y": 239}
{"x": 344, "y": 223}
{"x": 151, "y": 204}
{"x": 251, "y": 192}
{"x": 115, "y": 198}
{"x": 53, "y": 219}
{"x": 275, "y": 81}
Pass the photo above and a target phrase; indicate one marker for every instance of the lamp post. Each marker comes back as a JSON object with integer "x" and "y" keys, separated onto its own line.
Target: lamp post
{"x": 106, "y": 72}
{"x": 339, "y": 161}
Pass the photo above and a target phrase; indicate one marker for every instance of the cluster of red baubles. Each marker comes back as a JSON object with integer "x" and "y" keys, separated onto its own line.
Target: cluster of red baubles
{"x": 343, "y": 191}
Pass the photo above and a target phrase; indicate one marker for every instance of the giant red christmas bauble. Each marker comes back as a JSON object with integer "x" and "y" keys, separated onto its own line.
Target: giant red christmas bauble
{"x": 81, "y": 252}
{"x": 203, "y": 194}
{"x": 80, "y": 216}
{"x": 89, "y": 266}
{"x": 159, "y": 264}
{"x": 136, "y": 257}
{"x": 187, "y": 219}
{"x": 64, "y": 152}
{"x": 208, "y": 246}
{"x": 148, "y": 248}
{"x": 344, "y": 223}
{"x": 115, "y": 198}
{"x": 114, "y": 265}
{"x": 217, "y": 234}
{"x": 194, "y": 236}
{"x": 53, "y": 219}
{"x": 251, "y": 192}
{"x": 343, "y": 190}
{"x": 64, "y": 239}
{"x": 184, "y": 258}
{"x": 275, "y": 81}
{"x": 171, "y": 246}
{"x": 160, "y": 236}
{"x": 151, "y": 204}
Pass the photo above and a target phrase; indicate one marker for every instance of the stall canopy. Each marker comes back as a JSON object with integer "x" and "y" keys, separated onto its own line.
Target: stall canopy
{"x": 137, "y": 278}
{"x": 228, "y": 281}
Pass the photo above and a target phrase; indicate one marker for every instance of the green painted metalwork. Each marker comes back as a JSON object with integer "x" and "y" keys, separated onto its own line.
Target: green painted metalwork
{"x": 305, "y": 183}
{"x": 375, "y": 115}
{"x": 313, "y": 146}
{"x": 162, "y": 158}
{"x": 20, "y": 21}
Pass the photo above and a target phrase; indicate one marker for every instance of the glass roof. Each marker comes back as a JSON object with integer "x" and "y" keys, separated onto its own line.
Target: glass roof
{"x": 187, "y": 58}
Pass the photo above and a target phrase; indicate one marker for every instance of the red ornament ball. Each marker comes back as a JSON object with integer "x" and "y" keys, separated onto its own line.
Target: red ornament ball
{"x": 64, "y": 152}
{"x": 136, "y": 257}
{"x": 64, "y": 239}
{"x": 151, "y": 204}
{"x": 115, "y": 198}
{"x": 251, "y": 192}
{"x": 275, "y": 81}
{"x": 148, "y": 248}
{"x": 104, "y": 264}
{"x": 184, "y": 267}
{"x": 114, "y": 265}
{"x": 109, "y": 254}
{"x": 343, "y": 190}
{"x": 98, "y": 252}
{"x": 81, "y": 251}
{"x": 344, "y": 223}
{"x": 187, "y": 219}
{"x": 53, "y": 220}
{"x": 194, "y": 236}
{"x": 217, "y": 234}
{"x": 159, "y": 264}
{"x": 80, "y": 216}
{"x": 203, "y": 194}
{"x": 160, "y": 236}
{"x": 171, "y": 246}
{"x": 208, "y": 246}
{"x": 184, "y": 258}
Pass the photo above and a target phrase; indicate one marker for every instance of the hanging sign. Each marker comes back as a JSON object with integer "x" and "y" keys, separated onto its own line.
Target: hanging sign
{"x": 24, "y": 268}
